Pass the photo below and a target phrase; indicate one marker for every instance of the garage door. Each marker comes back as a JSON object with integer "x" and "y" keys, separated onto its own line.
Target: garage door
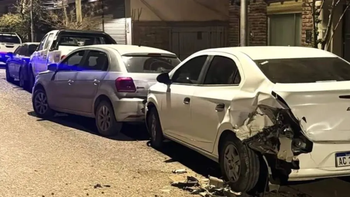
{"x": 187, "y": 40}
{"x": 116, "y": 28}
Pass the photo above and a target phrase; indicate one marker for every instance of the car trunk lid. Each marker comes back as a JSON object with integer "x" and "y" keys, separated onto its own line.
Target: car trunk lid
{"x": 323, "y": 108}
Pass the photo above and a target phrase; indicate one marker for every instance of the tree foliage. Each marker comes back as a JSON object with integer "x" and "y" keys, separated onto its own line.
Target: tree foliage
{"x": 45, "y": 20}
{"x": 331, "y": 23}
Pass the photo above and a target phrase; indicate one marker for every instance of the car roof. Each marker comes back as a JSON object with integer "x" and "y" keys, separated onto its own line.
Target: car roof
{"x": 274, "y": 52}
{"x": 129, "y": 49}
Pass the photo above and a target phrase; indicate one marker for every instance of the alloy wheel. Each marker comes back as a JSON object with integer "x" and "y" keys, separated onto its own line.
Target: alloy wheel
{"x": 40, "y": 103}
{"x": 104, "y": 118}
{"x": 232, "y": 163}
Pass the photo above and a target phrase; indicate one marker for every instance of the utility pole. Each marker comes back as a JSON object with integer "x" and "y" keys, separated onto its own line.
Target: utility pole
{"x": 243, "y": 22}
{"x": 31, "y": 22}
{"x": 78, "y": 11}
{"x": 64, "y": 6}
{"x": 103, "y": 14}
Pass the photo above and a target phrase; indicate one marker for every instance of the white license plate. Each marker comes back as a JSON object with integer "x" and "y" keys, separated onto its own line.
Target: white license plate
{"x": 342, "y": 159}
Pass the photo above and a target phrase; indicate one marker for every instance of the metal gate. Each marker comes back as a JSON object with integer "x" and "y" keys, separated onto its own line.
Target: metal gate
{"x": 187, "y": 40}
{"x": 346, "y": 36}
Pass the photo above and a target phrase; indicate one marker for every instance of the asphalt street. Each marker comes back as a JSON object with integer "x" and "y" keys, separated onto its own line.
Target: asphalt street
{"x": 65, "y": 157}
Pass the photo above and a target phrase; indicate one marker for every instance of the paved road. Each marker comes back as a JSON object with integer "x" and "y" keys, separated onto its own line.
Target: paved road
{"x": 65, "y": 157}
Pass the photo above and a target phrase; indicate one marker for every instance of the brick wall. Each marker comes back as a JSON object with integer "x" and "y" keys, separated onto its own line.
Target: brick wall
{"x": 257, "y": 23}
{"x": 306, "y": 22}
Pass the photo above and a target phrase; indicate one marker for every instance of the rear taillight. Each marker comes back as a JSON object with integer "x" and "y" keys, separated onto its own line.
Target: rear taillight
{"x": 125, "y": 84}
{"x": 63, "y": 56}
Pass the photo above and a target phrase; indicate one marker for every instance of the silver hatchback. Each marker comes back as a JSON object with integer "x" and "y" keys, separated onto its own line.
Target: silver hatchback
{"x": 105, "y": 82}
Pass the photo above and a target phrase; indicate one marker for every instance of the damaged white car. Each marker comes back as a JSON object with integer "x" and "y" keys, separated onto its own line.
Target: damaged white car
{"x": 282, "y": 110}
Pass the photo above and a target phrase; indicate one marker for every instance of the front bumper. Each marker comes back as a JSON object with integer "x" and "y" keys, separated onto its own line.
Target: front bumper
{"x": 321, "y": 163}
{"x": 129, "y": 110}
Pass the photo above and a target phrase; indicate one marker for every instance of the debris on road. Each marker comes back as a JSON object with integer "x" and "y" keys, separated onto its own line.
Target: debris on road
{"x": 100, "y": 186}
{"x": 180, "y": 171}
{"x": 211, "y": 187}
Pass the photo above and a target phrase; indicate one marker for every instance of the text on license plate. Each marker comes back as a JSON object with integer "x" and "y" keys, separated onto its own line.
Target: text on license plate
{"x": 342, "y": 159}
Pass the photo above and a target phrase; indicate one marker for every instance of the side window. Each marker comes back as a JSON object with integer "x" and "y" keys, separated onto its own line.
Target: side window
{"x": 24, "y": 50}
{"x": 96, "y": 60}
{"x": 222, "y": 70}
{"x": 73, "y": 61}
{"x": 48, "y": 41}
{"x": 17, "y": 51}
{"x": 41, "y": 46}
{"x": 189, "y": 72}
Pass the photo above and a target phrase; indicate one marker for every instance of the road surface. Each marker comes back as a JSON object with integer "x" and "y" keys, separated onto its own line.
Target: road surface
{"x": 65, "y": 157}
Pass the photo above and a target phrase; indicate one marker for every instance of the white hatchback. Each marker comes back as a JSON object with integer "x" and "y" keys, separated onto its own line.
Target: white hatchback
{"x": 285, "y": 108}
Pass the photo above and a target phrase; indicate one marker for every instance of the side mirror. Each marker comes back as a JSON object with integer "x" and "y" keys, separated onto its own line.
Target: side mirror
{"x": 52, "y": 67}
{"x": 164, "y": 78}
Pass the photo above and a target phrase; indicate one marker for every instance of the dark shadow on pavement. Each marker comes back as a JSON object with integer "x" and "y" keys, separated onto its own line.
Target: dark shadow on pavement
{"x": 130, "y": 132}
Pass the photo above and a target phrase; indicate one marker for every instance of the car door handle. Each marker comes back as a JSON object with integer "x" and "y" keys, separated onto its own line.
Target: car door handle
{"x": 70, "y": 82}
{"x": 220, "y": 107}
{"x": 96, "y": 82}
{"x": 187, "y": 100}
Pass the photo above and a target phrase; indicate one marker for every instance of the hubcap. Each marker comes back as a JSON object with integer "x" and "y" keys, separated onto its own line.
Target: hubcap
{"x": 104, "y": 118}
{"x": 232, "y": 163}
{"x": 40, "y": 103}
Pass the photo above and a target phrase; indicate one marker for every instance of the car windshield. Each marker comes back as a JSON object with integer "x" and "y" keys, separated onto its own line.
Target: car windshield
{"x": 149, "y": 64}
{"x": 10, "y": 39}
{"x": 84, "y": 39}
{"x": 305, "y": 70}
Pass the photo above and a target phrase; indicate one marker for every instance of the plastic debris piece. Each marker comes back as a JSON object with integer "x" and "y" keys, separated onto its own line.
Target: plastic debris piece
{"x": 180, "y": 171}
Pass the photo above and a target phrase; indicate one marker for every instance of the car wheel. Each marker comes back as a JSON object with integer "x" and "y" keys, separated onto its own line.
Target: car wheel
{"x": 239, "y": 164}
{"x": 21, "y": 78}
{"x": 106, "y": 122}
{"x": 155, "y": 129}
{"x": 31, "y": 80}
{"x": 8, "y": 77}
{"x": 40, "y": 104}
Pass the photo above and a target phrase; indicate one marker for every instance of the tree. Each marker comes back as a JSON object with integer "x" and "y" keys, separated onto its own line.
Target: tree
{"x": 322, "y": 7}
{"x": 46, "y": 20}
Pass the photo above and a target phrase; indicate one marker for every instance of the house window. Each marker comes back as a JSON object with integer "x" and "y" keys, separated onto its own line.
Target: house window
{"x": 285, "y": 29}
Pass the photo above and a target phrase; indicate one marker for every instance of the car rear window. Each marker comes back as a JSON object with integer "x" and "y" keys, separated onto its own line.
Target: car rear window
{"x": 10, "y": 39}
{"x": 149, "y": 63}
{"x": 305, "y": 70}
{"x": 81, "y": 39}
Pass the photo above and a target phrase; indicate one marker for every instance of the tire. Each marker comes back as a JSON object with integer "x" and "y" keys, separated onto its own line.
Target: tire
{"x": 40, "y": 104}
{"x": 106, "y": 122}
{"x": 31, "y": 80}
{"x": 8, "y": 77}
{"x": 155, "y": 129}
{"x": 22, "y": 82}
{"x": 247, "y": 174}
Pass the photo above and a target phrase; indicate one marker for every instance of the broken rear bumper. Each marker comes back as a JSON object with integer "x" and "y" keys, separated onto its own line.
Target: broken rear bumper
{"x": 321, "y": 163}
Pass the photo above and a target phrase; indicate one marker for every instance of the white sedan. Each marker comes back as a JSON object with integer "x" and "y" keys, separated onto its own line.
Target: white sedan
{"x": 248, "y": 108}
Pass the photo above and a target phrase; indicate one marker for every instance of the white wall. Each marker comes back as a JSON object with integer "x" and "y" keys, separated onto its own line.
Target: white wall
{"x": 179, "y": 10}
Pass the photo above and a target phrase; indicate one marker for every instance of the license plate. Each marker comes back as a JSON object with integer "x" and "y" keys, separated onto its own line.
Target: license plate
{"x": 342, "y": 159}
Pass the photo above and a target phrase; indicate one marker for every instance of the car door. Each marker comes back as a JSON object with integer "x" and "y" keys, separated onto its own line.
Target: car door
{"x": 211, "y": 100}
{"x": 92, "y": 71}
{"x": 61, "y": 87}
{"x": 42, "y": 54}
{"x": 13, "y": 62}
{"x": 176, "y": 102}
{"x": 36, "y": 60}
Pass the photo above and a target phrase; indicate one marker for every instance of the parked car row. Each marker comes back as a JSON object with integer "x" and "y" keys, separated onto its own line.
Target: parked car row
{"x": 259, "y": 112}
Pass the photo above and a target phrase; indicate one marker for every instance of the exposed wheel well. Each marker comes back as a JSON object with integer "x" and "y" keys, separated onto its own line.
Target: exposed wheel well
{"x": 99, "y": 99}
{"x": 223, "y": 137}
{"x": 38, "y": 86}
